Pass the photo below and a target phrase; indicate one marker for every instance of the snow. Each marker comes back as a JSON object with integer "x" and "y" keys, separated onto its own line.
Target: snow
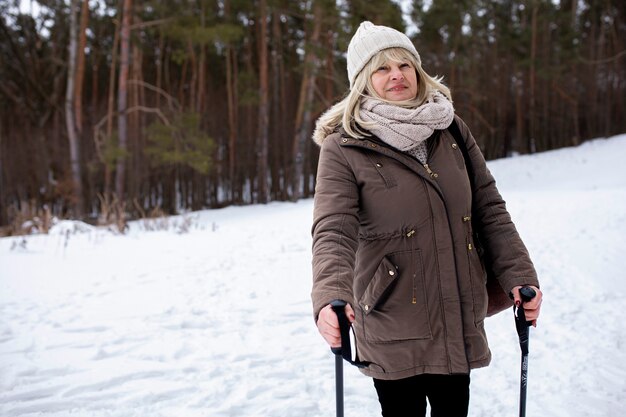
{"x": 209, "y": 314}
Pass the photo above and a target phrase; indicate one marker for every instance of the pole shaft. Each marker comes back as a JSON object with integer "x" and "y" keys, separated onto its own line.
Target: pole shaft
{"x": 339, "y": 384}
{"x": 523, "y": 386}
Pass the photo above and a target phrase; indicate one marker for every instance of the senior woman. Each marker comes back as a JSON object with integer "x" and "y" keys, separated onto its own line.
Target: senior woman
{"x": 392, "y": 235}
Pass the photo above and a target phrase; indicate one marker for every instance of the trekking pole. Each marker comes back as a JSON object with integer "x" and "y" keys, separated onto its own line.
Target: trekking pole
{"x": 339, "y": 309}
{"x": 523, "y": 332}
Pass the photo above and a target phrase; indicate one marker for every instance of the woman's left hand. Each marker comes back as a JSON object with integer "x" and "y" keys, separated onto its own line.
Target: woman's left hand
{"x": 532, "y": 307}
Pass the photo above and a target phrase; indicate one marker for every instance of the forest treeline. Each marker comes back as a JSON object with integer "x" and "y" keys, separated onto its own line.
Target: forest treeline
{"x": 113, "y": 110}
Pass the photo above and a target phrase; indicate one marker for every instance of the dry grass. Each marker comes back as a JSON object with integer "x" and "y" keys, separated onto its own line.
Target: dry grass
{"x": 28, "y": 220}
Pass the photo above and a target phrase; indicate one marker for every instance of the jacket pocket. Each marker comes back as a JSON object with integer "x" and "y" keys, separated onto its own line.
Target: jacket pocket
{"x": 394, "y": 304}
{"x": 383, "y": 171}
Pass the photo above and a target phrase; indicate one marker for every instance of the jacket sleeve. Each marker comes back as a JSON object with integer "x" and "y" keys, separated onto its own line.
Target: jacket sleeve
{"x": 335, "y": 227}
{"x": 508, "y": 256}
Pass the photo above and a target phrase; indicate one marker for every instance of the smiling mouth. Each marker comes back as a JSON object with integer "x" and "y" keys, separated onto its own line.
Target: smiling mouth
{"x": 398, "y": 88}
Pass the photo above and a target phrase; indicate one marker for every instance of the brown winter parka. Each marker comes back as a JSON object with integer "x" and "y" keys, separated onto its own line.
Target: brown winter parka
{"x": 394, "y": 239}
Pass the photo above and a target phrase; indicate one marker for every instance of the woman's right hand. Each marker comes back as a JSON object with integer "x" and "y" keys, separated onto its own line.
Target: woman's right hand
{"x": 328, "y": 325}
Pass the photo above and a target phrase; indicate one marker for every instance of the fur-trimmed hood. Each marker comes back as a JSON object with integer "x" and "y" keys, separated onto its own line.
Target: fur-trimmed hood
{"x": 326, "y": 124}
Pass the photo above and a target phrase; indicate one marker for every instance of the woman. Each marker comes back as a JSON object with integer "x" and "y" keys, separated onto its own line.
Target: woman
{"x": 392, "y": 234}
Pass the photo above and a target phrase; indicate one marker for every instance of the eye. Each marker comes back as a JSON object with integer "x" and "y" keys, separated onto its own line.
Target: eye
{"x": 382, "y": 68}
{"x": 405, "y": 65}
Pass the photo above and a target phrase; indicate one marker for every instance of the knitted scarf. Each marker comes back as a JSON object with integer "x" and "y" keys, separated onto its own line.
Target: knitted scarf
{"x": 408, "y": 129}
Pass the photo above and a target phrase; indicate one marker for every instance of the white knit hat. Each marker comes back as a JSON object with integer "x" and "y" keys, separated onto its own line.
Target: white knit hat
{"x": 370, "y": 39}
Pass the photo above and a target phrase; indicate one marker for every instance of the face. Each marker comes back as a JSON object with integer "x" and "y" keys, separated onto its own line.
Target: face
{"x": 395, "y": 81}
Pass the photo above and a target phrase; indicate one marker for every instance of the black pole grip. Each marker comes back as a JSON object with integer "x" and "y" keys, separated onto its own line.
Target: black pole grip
{"x": 526, "y": 294}
{"x": 339, "y": 307}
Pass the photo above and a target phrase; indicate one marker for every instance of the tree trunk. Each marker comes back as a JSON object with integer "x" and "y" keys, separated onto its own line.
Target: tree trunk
{"x": 262, "y": 139}
{"x": 232, "y": 121}
{"x": 305, "y": 104}
{"x": 231, "y": 95}
{"x": 532, "y": 99}
{"x": 247, "y": 153}
{"x": 70, "y": 121}
{"x": 519, "y": 113}
{"x": 193, "y": 77}
{"x": 110, "y": 109}
{"x": 80, "y": 66}
{"x": 329, "y": 91}
{"x": 122, "y": 100}
{"x": 199, "y": 108}
{"x": 160, "y": 57}
{"x": 135, "y": 123}
{"x": 4, "y": 218}
{"x": 282, "y": 107}
{"x": 231, "y": 88}
{"x": 277, "y": 117}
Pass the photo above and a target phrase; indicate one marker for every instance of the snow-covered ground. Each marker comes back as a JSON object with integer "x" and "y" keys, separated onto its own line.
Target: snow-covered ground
{"x": 217, "y": 321}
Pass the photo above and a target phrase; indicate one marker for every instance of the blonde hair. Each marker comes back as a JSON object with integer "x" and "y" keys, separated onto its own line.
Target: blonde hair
{"x": 347, "y": 111}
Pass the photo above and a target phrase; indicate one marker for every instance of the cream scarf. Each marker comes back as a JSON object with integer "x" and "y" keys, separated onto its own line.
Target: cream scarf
{"x": 408, "y": 129}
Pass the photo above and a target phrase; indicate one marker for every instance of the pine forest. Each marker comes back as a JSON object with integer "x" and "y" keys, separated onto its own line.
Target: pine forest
{"x": 112, "y": 110}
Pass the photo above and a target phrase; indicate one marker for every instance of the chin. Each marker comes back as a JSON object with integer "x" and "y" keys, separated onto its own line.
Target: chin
{"x": 398, "y": 97}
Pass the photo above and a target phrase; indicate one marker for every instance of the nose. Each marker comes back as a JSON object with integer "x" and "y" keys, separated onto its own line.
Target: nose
{"x": 396, "y": 73}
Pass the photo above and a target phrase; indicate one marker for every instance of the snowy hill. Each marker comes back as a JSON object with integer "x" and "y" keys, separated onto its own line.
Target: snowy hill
{"x": 217, "y": 321}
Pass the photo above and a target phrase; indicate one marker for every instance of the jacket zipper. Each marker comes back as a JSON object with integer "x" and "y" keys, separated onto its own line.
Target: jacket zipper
{"x": 430, "y": 171}
{"x": 430, "y": 146}
{"x": 414, "y": 286}
{"x": 469, "y": 232}
{"x": 470, "y": 247}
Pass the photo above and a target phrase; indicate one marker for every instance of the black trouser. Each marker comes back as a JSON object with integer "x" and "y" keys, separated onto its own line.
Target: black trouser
{"x": 448, "y": 396}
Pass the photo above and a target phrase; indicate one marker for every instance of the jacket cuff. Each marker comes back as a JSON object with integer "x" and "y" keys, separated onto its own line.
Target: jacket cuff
{"x": 511, "y": 283}
{"x": 326, "y": 299}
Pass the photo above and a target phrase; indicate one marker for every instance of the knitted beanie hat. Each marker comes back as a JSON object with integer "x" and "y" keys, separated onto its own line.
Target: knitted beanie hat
{"x": 370, "y": 39}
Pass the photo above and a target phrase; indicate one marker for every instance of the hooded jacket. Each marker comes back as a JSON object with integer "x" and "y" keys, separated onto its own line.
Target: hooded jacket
{"x": 394, "y": 238}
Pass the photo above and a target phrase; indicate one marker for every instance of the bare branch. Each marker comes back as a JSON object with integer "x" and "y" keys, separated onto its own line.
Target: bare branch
{"x": 171, "y": 100}
{"x": 143, "y": 25}
{"x": 601, "y": 61}
{"x": 99, "y": 137}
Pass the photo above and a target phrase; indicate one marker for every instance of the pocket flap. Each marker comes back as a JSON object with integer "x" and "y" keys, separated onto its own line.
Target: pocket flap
{"x": 385, "y": 275}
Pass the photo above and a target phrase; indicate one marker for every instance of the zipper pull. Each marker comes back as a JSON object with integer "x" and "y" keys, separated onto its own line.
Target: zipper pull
{"x": 430, "y": 171}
